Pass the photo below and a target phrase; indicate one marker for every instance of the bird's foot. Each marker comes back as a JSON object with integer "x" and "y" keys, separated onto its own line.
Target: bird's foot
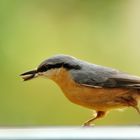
{"x": 88, "y": 124}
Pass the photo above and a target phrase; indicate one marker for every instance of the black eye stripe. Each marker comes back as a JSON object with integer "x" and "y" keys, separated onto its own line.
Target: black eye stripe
{"x": 67, "y": 66}
{"x": 42, "y": 68}
{"x": 58, "y": 65}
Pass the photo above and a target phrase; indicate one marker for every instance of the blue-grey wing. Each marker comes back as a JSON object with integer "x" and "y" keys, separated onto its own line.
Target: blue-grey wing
{"x": 98, "y": 77}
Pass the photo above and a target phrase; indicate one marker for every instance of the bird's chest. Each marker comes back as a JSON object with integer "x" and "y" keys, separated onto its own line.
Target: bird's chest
{"x": 73, "y": 91}
{"x": 78, "y": 94}
{"x": 93, "y": 98}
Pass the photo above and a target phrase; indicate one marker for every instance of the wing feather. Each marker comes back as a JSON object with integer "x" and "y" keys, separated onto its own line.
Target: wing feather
{"x": 98, "y": 77}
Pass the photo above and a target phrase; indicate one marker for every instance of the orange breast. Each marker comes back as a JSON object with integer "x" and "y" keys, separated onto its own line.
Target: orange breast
{"x": 102, "y": 99}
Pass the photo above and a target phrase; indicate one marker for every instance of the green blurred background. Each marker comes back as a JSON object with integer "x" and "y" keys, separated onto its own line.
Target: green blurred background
{"x": 105, "y": 32}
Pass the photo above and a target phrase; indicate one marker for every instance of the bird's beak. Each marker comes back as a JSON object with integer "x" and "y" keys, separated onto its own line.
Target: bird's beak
{"x": 29, "y": 75}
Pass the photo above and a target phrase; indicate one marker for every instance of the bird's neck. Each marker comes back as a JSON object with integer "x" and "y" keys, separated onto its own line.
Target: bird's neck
{"x": 63, "y": 78}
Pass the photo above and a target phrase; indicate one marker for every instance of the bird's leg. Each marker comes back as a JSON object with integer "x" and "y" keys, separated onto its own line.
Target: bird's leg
{"x": 99, "y": 115}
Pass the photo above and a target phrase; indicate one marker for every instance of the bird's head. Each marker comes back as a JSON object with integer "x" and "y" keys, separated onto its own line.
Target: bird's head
{"x": 51, "y": 67}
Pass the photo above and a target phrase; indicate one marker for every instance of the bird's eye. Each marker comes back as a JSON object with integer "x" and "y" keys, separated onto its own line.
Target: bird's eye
{"x": 43, "y": 68}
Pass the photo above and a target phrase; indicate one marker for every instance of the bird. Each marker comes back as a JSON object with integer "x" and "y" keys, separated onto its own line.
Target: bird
{"x": 93, "y": 86}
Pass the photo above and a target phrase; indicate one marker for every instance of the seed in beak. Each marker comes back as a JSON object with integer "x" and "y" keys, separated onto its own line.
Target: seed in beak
{"x": 29, "y": 75}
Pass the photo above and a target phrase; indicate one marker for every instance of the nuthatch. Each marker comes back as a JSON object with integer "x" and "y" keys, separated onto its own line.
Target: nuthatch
{"x": 92, "y": 86}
